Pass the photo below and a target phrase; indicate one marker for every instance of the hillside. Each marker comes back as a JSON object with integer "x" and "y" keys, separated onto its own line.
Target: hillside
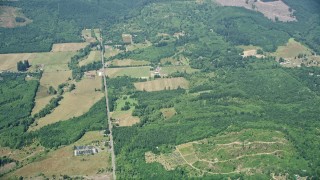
{"x": 209, "y": 89}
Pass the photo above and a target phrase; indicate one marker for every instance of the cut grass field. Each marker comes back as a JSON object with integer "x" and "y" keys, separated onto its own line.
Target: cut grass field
{"x": 65, "y": 47}
{"x": 8, "y": 17}
{"x": 52, "y": 61}
{"x": 250, "y": 151}
{"x": 74, "y": 103}
{"x": 63, "y": 162}
{"x": 129, "y": 62}
{"x": 94, "y": 56}
{"x": 137, "y": 72}
{"x": 162, "y": 84}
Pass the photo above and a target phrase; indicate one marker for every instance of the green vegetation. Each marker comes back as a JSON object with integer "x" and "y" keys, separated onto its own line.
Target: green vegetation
{"x": 16, "y": 100}
{"x": 23, "y": 66}
{"x": 65, "y": 132}
{"x": 227, "y": 93}
{"x": 77, "y": 71}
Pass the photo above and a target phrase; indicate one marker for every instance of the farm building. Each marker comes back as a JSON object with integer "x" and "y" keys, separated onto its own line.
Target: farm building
{"x": 84, "y": 150}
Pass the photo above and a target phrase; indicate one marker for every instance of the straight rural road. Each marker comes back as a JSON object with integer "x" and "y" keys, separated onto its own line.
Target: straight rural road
{"x": 113, "y": 157}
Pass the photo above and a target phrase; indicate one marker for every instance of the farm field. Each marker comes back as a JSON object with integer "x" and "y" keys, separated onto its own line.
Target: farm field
{"x": 65, "y": 47}
{"x": 74, "y": 103}
{"x": 271, "y": 9}
{"x": 162, "y": 84}
{"x": 249, "y": 151}
{"x": 63, "y": 162}
{"x": 8, "y": 17}
{"x": 92, "y": 57}
{"x": 128, "y": 62}
{"x": 137, "y": 72}
{"x": 52, "y": 61}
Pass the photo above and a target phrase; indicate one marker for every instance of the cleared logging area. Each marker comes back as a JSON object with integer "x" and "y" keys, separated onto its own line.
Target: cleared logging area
{"x": 8, "y": 17}
{"x": 162, "y": 84}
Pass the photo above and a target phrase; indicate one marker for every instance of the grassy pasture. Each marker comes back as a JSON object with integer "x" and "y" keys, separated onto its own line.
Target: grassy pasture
{"x": 128, "y": 62}
{"x": 8, "y": 17}
{"x": 65, "y": 47}
{"x": 63, "y": 162}
{"x": 162, "y": 84}
{"x": 74, "y": 103}
{"x": 92, "y": 57}
{"x": 136, "y": 72}
{"x": 247, "y": 151}
{"x": 52, "y": 61}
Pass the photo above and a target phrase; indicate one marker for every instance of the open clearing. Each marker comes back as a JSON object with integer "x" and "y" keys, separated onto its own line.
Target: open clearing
{"x": 74, "y": 103}
{"x": 86, "y": 34}
{"x": 137, "y": 72}
{"x": 92, "y": 57}
{"x": 65, "y": 47}
{"x": 124, "y": 117}
{"x": 52, "y": 61}
{"x": 291, "y": 51}
{"x": 111, "y": 51}
{"x": 168, "y": 112}
{"x": 249, "y": 151}
{"x": 162, "y": 84}
{"x": 167, "y": 70}
{"x": 63, "y": 162}
{"x": 272, "y": 10}
{"x": 128, "y": 62}
{"x": 8, "y": 17}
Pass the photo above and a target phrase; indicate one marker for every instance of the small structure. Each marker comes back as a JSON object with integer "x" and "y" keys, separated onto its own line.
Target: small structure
{"x": 84, "y": 150}
{"x": 127, "y": 38}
